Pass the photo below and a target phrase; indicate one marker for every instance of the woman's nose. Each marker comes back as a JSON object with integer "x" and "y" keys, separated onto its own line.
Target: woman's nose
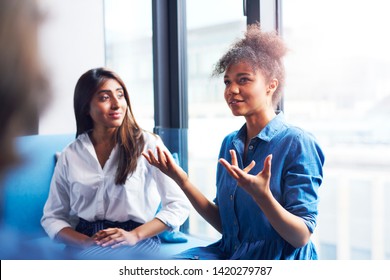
{"x": 115, "y": 103}
{"x": 233, "y": 89}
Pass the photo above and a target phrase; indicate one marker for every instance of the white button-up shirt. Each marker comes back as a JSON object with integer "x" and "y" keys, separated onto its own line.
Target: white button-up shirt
{"x": 81, "y": 188}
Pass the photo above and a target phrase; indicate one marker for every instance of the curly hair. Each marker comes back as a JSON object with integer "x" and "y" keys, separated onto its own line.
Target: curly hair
{"x": 263, "y": 51}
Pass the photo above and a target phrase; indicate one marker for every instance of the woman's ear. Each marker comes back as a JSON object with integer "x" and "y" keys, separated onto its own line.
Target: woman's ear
{"x": 273, "y": 85}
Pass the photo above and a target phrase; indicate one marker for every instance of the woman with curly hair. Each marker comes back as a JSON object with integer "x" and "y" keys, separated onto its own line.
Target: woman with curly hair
{"x": 260, "y": 216}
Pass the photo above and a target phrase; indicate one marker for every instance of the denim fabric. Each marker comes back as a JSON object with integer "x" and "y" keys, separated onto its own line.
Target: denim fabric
{"x": 296, "y": 174}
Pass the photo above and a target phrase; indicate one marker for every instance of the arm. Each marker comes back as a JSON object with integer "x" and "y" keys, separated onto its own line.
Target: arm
{"x": 290, "y": 227}
{"x": 208, "y": 210}
{"x": 73, "y": 238}
{"x": 55, "y": 219}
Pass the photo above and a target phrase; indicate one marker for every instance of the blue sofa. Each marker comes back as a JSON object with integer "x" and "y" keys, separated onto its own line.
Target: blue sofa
{"x": 27, "y": 185}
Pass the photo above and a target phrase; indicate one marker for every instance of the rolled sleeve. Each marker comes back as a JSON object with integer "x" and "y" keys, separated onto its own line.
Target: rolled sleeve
{"x": 303, "y": 178}
{"x": 56, "y": 210}
{"x": 175, "y": 206}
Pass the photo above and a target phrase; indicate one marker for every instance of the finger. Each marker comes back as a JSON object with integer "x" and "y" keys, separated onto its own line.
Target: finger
{"x": 116, "y": 245}
{"x": 109, "y": 231}
{"x": 240, "y": 173}
{"x": 228, "y": 167}
{"x": 234, "y": 157}
{"x": 101, "y": 236}
{"x": 98, "y": 236}
{"x": 111, "y": 240}
{"x": 169, "y": 159}
{"x": 147, "y": 157}
{"x": 267, "y": 166}
{"x": 107, "y": 243}
{"x": 249, "y": 167}
{"x": 153, "y": 160}
{"x": 161, "y": 156}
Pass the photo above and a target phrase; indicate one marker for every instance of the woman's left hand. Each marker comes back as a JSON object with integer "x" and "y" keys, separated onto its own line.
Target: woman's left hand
{"x": 115, "y": 237}
{"x": 255, "y": 185}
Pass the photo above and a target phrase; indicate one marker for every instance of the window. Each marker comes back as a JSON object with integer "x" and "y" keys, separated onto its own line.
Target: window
{"x": 212, "y": 26}
{"x": 338, "y": 88}
{"x": 128, "y": 31}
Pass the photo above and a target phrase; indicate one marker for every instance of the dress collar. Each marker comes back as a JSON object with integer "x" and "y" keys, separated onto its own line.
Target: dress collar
{"x": 268, "y": 132}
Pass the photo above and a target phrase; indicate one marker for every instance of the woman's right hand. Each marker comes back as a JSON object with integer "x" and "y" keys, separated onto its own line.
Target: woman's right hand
{"x": 73, "y": 238}
{"x": 166, "y": 163}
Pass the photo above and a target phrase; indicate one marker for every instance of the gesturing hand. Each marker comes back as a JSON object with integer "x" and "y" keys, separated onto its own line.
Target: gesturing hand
{"x": 166, "y": 164}
{"x": 255, "y": 185}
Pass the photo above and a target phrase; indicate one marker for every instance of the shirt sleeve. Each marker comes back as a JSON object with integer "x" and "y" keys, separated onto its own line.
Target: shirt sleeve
{"x": 175, "y": 206}
{"x": 303, "y": 176}
{"x": 57, "y": 207}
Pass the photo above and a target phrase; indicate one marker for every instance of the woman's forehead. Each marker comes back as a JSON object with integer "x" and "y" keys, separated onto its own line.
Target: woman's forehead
{"x": 110, "y": 83}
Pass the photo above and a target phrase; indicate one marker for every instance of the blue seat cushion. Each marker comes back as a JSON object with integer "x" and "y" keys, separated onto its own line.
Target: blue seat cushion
{"x": 26, "y": 186}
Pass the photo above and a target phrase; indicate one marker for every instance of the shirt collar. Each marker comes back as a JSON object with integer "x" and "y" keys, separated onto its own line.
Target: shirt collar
{"x": 269, "y": 131}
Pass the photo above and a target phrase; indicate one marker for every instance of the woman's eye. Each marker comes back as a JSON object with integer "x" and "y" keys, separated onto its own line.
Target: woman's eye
{"x": 120, "y": 95}
{"x": 226, "y": 82}
{"x": 104, "y": 98}
{"x": 243, "y": 80}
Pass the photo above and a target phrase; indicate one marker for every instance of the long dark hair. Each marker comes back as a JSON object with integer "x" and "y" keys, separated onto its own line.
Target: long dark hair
{"x": 128, "y": 136}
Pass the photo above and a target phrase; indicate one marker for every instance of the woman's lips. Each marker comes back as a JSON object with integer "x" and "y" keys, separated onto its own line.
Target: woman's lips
{"x": 115, "y": 115}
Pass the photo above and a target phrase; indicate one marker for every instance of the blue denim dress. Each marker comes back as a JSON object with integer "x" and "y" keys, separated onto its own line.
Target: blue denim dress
{"x": 296, "y": 175}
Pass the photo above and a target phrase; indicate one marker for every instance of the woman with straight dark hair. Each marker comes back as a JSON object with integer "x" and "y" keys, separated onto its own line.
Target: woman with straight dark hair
{"x": 104, "y": 195}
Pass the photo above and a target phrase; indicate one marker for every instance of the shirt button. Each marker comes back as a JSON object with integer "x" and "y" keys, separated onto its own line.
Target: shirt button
{"x": 250, "y": 147}
{"x": 231, "y": 197}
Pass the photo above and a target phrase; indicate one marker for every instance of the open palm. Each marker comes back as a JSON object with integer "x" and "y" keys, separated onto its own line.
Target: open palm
{"x": 256, "y": 185}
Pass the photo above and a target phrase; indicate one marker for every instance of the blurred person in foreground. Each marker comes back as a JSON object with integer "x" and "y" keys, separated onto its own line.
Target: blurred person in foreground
{"x": 24, "y": 92}
{"x": 23, "y": 87}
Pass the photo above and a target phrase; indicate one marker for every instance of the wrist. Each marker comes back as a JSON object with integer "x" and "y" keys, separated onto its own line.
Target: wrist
{"x": 182, "y": 179}
{"x": 87, "y": 242}
{"x": 262, "y": 196}
{"x": 135, "y": 236}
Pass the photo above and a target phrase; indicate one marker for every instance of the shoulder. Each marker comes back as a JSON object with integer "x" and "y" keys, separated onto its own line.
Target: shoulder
{"x": 302, "y": 142}
{"x": 82, "y": 141}
{"x": 227, "y": 144}
{"x": 296, "y": 134}
{"x": 74, "y": 147}
{"x": 151, "y": 139}
{"x": 230, "y": 137}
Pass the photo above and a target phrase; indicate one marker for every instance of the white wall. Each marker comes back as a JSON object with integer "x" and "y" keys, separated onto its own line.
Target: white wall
{"x": 72, "y": 42}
